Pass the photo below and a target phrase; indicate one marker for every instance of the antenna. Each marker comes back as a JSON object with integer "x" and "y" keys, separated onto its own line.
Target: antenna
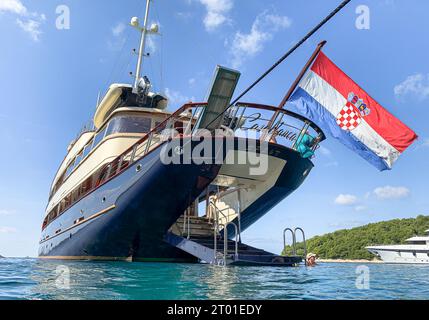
{"x": 144, "y": 31}
{"x": 98, "y": 99}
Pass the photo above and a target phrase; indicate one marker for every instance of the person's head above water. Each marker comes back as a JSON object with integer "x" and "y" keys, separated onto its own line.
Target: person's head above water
{"x": 311, "y": 259}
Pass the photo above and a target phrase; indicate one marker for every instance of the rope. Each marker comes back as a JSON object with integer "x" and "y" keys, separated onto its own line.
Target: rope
{"x": 285, "y": 56}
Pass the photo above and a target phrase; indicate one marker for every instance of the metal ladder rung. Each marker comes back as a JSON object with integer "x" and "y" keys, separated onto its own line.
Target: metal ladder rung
{"x": 293, "y": 232}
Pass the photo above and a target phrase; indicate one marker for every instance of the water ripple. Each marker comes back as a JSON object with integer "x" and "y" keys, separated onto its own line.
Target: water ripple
{"x": 39, "y": 279}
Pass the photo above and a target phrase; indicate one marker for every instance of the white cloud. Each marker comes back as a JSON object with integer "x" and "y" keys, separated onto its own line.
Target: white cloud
{"x": 30, "y": 22}
{"x": 325, "y": 151}
{"x": 13, "y": 6}
{"x": 217, "y": 11}
{"x": 176, "y": 98}
{"x": 4, "y": 212}
{"x": 184, "y": 15}
{"x": 247, "y": 45}
{"x": 278, "y": 22}
{"x": 7, "y": 230}
{"x": 151, "y": 44}
{"x": 346, "y": 200}
{"x": 332, "y": 164}
{"x": 118, "y": 40}
{"x": 416, "y": 85}
{"x": 119, "y": 29}
{"x": 360, "y": 208}
{"x": 32, "y": 27}
{"x": 389, "y": 192}
{"x": 346, "y": 224}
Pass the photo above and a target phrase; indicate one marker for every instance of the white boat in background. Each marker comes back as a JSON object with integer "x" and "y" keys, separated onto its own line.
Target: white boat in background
{"x": 416, "y": 251}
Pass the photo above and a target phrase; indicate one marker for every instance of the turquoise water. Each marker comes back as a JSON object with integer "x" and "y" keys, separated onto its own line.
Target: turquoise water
{"x": 35, "y": 279}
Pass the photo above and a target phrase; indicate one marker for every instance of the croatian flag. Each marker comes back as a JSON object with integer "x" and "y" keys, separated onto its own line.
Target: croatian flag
{"x": 329, "y": 98}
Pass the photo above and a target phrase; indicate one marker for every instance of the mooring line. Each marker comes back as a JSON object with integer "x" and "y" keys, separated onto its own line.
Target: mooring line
{"x": 285, "y": 56}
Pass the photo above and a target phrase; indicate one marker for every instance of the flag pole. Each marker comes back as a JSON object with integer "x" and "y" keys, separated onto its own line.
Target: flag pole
{"x": 301, "y": 74}
{"x": 286, "y": 55}
{"x": 296, "y": 83}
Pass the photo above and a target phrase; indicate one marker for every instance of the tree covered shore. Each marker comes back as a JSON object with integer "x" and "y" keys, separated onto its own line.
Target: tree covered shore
{"x": 350, "y": 244}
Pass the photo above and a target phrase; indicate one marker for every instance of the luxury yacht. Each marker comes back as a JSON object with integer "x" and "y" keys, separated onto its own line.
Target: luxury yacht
{"x": 145, "y": 184}
{"x": 416, "y": 251}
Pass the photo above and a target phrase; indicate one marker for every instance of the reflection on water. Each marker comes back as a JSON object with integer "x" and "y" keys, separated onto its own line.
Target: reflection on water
{"x": 39, "y": 279}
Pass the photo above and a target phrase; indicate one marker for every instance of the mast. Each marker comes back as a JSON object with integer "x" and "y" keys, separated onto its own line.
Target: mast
{"x": 144, "y": 32}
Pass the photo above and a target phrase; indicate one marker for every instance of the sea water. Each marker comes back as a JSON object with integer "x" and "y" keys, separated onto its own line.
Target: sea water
{"x": 40, "y": 279}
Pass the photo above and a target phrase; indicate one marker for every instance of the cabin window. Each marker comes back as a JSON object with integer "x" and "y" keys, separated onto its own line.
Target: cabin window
{"x": 67, "y": 201}
{"x": 75, "y": 195}
{"x": 70, "y": 167}
{"x": 57, "y": 185}
{"x": 87, "y": 149}
{"x": 78, "y": 158}
{"x": 102, "y": 175}
{"x": 179, "y": 127}
{"x": 114, "y": 167}
{"x": 87, "y": 185}
{"x": 99, "y": 137}
{"x": 127, "y": 124}
{"x": 418, "y": 242}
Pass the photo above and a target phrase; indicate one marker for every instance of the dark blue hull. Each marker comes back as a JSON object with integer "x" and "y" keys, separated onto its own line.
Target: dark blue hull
{"x": 127, "y": 218}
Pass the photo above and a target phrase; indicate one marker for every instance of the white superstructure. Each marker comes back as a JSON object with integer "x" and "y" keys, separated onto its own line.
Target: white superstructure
{"x": 416, "y": 251}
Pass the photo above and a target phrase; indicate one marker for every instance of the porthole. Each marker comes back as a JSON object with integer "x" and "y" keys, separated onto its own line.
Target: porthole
{"x": 104, "y": 199}
{"x": 139, "y": 168}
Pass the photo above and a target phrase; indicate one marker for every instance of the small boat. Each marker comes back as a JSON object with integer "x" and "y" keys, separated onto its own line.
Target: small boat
{"x": 145, "y": 184}
{"x": 416, "y": 251}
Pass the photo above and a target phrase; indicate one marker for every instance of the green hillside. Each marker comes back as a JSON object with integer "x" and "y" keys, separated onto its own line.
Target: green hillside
{"x": 350, "y": 244}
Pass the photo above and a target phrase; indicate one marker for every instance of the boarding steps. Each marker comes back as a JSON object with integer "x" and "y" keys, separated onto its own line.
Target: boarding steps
{"x": 201, "y": 243}
{"x": 198, "y": 226}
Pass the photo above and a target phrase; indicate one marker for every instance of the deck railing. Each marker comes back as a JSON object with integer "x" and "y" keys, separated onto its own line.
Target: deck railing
{"x": 264, "y": 122}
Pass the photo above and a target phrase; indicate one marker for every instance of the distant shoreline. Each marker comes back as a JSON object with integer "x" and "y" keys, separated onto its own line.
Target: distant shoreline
{"x": 347, "y": 261}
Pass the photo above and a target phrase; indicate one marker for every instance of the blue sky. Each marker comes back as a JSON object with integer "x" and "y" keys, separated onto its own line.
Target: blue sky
{"x": 50, "y": 78}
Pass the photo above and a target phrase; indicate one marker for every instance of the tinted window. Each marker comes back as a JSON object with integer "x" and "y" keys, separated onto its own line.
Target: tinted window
{"x": 70, "y": 168}
{"x": 124, "y": 124}
{"x": 87, "y": 149}
{"x": 99, "y": 137}
{"x": 78, "y": 159}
